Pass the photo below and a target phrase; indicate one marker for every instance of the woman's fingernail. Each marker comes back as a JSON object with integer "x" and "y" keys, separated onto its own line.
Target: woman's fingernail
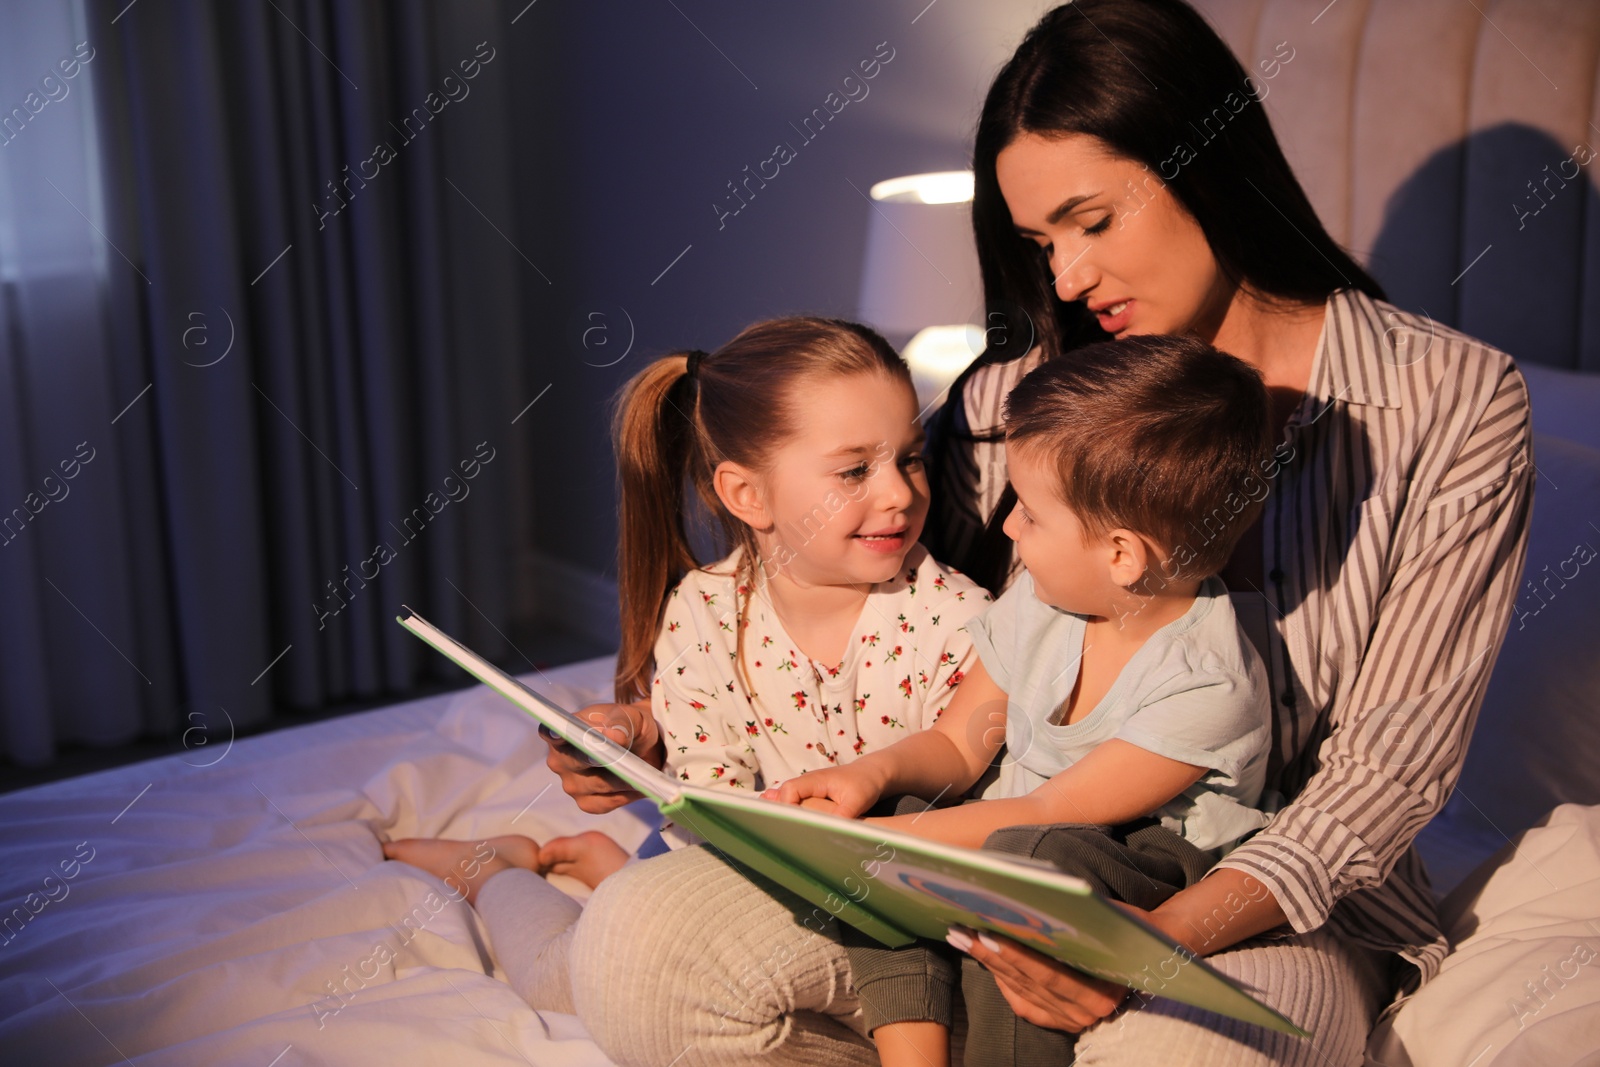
{"x": 958, "y": 939}
{"x": 988, "y": 942}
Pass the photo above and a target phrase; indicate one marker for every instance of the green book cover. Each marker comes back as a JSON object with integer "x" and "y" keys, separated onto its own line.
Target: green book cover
{"x": 893, "y": 886}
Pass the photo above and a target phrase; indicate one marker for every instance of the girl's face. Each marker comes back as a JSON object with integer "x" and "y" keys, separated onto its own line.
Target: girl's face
{"x": 846, "y": 495}
{"x": 1113, "y": 236}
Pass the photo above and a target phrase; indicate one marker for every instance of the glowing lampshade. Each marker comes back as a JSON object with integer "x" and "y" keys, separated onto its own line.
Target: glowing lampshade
{"x": 921, "y": 271}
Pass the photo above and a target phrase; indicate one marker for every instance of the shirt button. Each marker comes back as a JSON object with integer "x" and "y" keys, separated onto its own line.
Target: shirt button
{"x": 1276, "y": 574}
{"x": 1287, "y": 698}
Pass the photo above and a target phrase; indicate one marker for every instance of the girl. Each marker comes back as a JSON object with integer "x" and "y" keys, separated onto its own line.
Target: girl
{"x": 826, "y": 633}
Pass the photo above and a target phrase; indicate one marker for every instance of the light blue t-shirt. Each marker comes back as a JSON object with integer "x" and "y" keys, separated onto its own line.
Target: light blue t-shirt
{"x": 1195, "y": 691}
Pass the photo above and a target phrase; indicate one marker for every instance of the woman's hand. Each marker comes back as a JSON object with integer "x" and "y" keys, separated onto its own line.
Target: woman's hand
{"x": 852, "y": 789}
{"x": 596, "y": 790}
{"x": 1039, "y": 989}
{"x": 1047, "y": 993}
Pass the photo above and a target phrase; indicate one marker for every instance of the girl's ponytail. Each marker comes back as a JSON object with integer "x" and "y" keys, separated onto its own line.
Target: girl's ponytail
{"x": 658, "y": 457}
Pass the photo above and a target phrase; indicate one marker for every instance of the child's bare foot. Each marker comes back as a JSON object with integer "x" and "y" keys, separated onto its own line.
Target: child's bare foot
{"x": 588, "y": 857}
{"x": 465, "y": 865}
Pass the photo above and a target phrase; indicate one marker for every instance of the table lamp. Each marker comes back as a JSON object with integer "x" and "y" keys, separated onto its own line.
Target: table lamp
{"x": 920, "y": 285}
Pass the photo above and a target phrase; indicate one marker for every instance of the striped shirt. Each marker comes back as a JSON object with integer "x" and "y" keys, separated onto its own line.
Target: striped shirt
{"x": 1393, "y": 539}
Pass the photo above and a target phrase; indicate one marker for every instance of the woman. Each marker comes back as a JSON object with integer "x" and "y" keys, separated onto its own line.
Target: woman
{"x": 1128, "y": 182}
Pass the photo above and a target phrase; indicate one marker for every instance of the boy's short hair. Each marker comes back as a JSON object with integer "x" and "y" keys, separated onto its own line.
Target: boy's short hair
{"x": 1162, "y": 435}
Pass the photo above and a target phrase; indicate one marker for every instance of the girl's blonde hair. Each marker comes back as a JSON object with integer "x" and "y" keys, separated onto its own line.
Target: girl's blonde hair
{"x": 672, "y": 429}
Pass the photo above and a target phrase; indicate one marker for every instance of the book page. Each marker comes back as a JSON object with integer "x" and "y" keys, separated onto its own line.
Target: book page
{"x": 600, "y": 749}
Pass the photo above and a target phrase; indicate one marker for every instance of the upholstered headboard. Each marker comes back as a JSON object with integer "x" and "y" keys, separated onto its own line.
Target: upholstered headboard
{"x": 1446, "y": 143}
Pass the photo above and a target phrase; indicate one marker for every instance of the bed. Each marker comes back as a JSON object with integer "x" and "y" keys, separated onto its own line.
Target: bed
{"x": 231, "y": 904}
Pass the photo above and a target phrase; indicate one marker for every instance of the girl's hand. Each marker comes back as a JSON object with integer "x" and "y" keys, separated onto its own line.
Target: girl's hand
{"x": 596, "y": 790}
{"x": 853, "y": 789}
{"x": 1039, "y": 989}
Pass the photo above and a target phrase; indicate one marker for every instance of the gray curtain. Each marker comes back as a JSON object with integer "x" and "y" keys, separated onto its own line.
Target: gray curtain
{"x": 259, "y": 357}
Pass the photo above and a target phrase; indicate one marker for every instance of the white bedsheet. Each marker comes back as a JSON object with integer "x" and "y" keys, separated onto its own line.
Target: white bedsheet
{"x": 181, "y": 914}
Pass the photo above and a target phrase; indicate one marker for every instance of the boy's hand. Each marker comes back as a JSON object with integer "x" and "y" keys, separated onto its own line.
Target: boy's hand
{"x": 853, "y": 789}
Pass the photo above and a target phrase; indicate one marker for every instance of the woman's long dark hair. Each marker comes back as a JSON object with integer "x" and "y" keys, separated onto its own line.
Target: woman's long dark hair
{"x": 1142, "y": 76}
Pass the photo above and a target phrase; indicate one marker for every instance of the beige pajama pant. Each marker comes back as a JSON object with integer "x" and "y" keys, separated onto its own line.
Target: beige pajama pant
{"x": 680, "y": 959}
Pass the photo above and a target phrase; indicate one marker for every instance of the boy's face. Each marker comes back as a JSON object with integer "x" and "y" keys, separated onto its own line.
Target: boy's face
{"x": 1070, "y": 571}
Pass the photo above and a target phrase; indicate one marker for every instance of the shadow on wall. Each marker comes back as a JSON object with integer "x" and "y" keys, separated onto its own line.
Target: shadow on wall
{"x": 1498, "y": 235}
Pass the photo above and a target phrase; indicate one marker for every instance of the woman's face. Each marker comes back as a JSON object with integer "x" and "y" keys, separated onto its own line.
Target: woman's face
{"x": 1115, "y": 237}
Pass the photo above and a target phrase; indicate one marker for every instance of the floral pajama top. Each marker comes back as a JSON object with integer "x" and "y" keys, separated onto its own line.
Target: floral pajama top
{"x": 905, "y": 657}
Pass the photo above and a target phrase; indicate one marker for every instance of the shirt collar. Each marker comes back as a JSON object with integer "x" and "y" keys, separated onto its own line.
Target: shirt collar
{"x": 1356, "y": 361}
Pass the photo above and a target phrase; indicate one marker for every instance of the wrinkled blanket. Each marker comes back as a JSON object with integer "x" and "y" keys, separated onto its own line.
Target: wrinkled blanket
{"x": 231, "y": 905}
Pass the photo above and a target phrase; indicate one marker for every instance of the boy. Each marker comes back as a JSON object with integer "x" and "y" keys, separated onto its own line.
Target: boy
{"x": 1135, "y": 709}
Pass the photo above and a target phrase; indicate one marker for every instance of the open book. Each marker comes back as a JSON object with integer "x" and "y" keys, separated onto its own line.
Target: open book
{"x": 893, "y": 886}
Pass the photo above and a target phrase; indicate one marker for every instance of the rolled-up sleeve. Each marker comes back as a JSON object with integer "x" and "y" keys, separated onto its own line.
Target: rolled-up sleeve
{"x": 1397, "y": 739}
